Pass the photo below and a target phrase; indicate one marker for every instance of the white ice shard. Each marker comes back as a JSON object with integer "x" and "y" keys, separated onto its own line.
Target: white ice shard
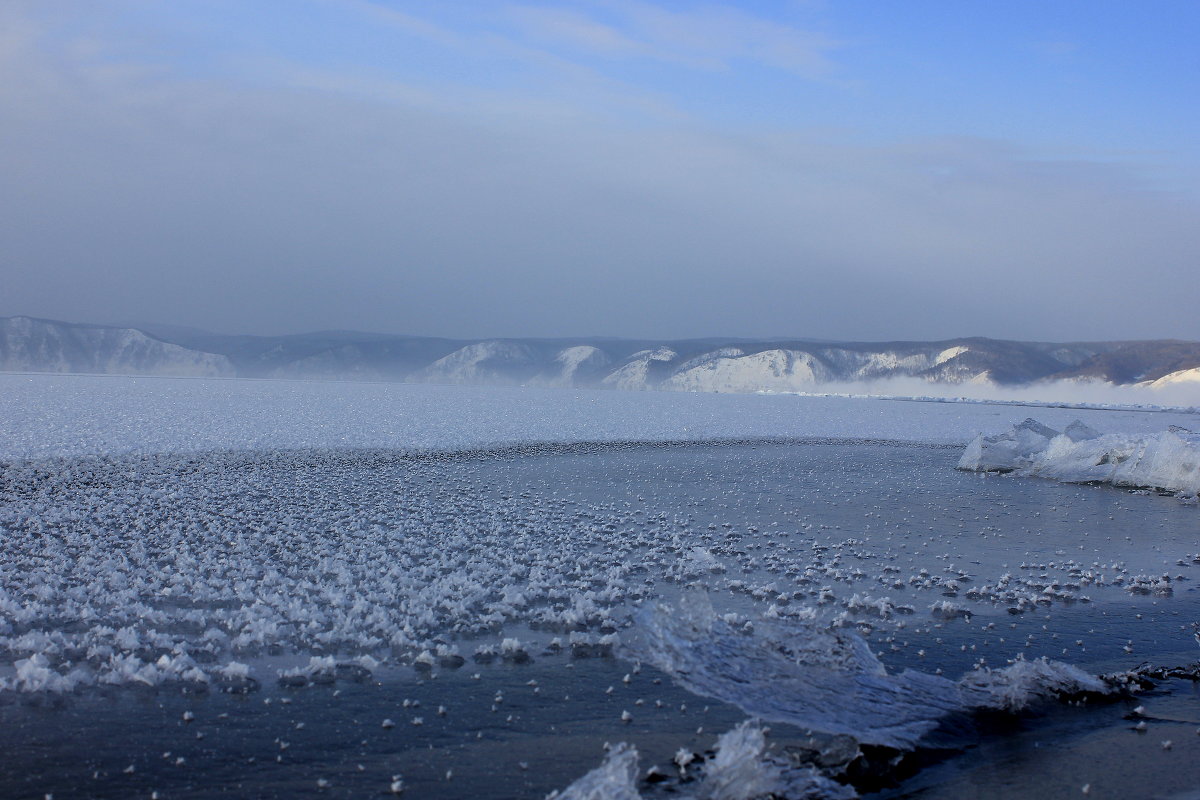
{"x": 742, "y": 769}
{"x": 615, "y": 779}
{"x": 1012, "y": 450}
{"x": 1168, "y": 460}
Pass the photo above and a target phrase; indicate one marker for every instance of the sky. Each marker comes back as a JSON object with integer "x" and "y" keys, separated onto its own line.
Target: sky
{"x": 841, "y": 169}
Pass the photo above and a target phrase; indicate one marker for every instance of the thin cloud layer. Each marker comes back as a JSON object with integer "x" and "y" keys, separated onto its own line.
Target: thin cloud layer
{"x": 706, "y": 37}
{"x": 492, "y": 179}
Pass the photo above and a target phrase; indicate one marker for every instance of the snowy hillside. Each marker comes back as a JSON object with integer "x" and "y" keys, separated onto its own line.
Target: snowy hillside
{"x": 1182, "y": 377}
{"x": 577, "y": 365}
{"x": 775, "y": 370}
{"x": 34, "y": 345}
{"x": 712, "y": 365}
{"x": 481, "y": 363}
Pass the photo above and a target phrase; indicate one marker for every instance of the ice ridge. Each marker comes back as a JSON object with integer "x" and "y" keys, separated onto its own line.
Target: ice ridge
{"x": 827, "y": 679}
{"x": 1169, "y": 460}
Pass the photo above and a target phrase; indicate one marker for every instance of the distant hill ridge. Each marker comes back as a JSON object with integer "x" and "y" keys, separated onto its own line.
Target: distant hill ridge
{"x": 28, "y": 344}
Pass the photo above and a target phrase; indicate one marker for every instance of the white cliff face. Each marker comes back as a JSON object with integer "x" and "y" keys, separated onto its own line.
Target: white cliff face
{"x": 1183, "y": 377}
{"x": 483, "y": 362}
{"x": 949, "y": 367}
{"x": 32, "y": 345}
{"x": 633, "y": 375}
{"x": 982, "y": 379}
{"x": 723, "y": 352}
{"x": 570, "y": 362}
{"x": 862, "y": 365}
{"x": 771, "y": 370}
{"x": 948, "y": 354}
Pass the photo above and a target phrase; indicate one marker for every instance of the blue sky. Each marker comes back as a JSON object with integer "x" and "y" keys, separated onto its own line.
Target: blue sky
{"x": 828, "y": 169}
{"x": 1092, "y": 77}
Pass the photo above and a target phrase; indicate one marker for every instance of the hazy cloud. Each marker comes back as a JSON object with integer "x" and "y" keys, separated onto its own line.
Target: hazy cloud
{"x": 708, "y": 36}
{"x": 333, "y": 196}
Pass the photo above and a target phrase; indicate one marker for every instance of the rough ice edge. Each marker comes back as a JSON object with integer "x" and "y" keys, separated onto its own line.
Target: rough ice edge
{"x": 742, "y": 769}
{"x": 37, "y": 673}
{"x": 1080, "y": 405}
{"x": 827, "y": 679}
{"x": 1024, "y": 683}
{"x": 800, "y": 673}
{"x": 615, "y": 779}
{"x": 1169, "y": 460}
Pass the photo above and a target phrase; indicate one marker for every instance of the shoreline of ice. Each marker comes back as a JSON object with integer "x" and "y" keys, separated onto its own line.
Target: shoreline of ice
{"x": 1148, "y": 408}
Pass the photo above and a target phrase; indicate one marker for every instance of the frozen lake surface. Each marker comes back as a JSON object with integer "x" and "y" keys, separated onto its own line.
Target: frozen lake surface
{"x": 54, "y": 415}
{"x": 217, "y": 535}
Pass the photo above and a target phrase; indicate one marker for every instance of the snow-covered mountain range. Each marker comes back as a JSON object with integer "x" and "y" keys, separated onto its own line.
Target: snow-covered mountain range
{"x": 710, "y": 365}
{"x": 37, "y": 345}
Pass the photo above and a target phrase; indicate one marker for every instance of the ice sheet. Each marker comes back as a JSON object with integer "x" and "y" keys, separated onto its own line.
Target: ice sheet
{"x": 63, "y": 415}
